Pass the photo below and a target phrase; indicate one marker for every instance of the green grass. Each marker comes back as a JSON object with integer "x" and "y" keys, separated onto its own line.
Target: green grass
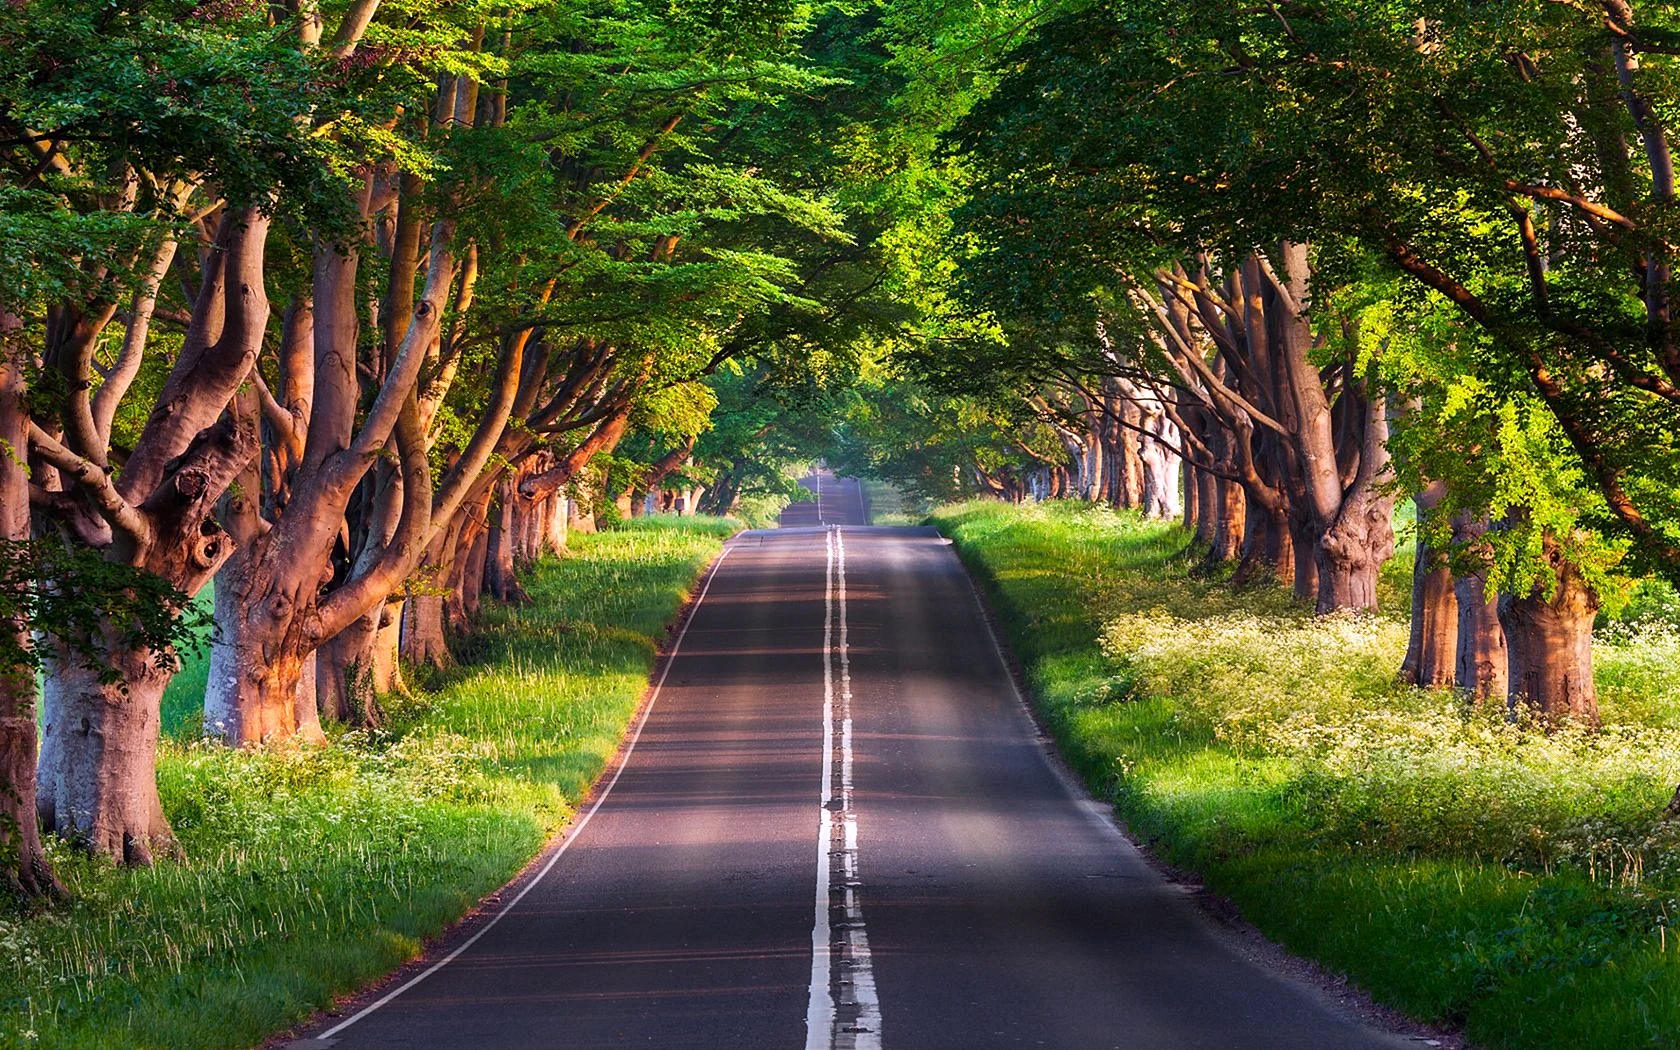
{"x": 310, "y": 872}
{"x": 1464, "y": 869}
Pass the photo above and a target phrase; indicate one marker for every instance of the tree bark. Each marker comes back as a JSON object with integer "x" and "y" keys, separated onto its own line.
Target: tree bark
{"x": 1231, "y": 516}
{"x": 23, "y": 864}
{"x": 1432, "y": 647}
{"x": 501, "y": 577}
{"x": 98, "y": 770}
{"x": 1481, "y": 665}
{"x": 1549, "y": 642}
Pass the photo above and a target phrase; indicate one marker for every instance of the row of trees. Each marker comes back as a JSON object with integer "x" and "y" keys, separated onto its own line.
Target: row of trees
{"x": 1330, "y": 256}
{"x": 329, "y": 302}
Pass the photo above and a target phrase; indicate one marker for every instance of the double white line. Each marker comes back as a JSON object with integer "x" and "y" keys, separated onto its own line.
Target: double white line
{"x": 844, "y": 1013}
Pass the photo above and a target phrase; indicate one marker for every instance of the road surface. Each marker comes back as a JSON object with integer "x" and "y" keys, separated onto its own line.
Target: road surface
{"x": 839, "y": 829}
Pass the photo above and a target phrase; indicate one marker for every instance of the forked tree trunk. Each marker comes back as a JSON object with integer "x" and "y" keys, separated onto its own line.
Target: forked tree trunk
{"x": 98, "y": 772}
{"x": 1481, "y": 666}
{"x": 1549, "y": 642}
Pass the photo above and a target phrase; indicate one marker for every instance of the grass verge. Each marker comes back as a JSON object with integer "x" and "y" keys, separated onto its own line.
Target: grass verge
{"x": 313, "y": 871}
{"x": 1463, "y": 869}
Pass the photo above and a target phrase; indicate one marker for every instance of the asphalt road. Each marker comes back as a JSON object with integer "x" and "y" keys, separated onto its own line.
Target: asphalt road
{"x": 839, "y": 829}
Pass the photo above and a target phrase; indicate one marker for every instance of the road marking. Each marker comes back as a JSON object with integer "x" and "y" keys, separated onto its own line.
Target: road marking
{"x": 844, "y": 1012}
{"x": 325, "y": 1038}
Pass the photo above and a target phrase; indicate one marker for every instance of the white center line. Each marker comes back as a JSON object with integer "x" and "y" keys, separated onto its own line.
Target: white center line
{"x": 844, "y": 1011}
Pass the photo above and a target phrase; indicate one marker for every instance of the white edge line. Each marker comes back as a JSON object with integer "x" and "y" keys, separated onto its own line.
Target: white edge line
{"x": 571, "y": 834}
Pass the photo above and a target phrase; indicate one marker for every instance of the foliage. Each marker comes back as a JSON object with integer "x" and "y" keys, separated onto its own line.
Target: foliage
{"x": 82, "y": 598}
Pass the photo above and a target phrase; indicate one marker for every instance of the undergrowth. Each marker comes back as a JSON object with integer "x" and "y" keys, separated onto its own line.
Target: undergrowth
{"x": 311, "y": 871}
{"x": 1463, "y": 868}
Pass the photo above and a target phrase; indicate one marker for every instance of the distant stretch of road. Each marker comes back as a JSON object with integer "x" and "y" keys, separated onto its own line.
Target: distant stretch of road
{"x": 838, "y": 828}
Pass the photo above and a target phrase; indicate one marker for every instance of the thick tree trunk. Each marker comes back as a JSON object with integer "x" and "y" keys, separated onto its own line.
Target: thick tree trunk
{"x": 1350, "y": 557}
{"x": 1481, "y": 663}
{"x": 343, "y": 682}
{"x": 252, "y": 693}
{"x": 1549, "y": 642}
{"x": 23, "y": 864}
{"x": 472, "y": 577}
{"x": 97, "y": 780}
{"x": 1208, "y": 508}
{"x": 424, "y": 642}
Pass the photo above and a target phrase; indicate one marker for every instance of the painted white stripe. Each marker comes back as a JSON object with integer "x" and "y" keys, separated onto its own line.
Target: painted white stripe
{"x": 572, "y": 835}
{"x": 819, "y": 1010}
{"x": 853, "y": 1021}
{"x": 864, "y": 1029}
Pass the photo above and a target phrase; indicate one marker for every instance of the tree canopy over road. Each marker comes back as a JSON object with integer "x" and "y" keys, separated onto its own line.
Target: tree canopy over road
{"x": 344, "y": 311}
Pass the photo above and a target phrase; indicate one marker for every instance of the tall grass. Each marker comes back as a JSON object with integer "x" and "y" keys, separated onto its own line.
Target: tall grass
{"x": 1461, "y": 867}
{"x": 311, "y": 871}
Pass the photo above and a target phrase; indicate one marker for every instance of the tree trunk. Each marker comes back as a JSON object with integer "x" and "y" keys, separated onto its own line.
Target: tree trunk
{"x": 1305, "y": 582}
{"x": 251, "y": 694}
{"x": 23, "y": 865}
{"x": 500, "y": 577}
{"x": 1268, "y": 551}
{"x": 98, "y": 773}
{"x": 1231, "y": 517}
{"x": 1432, "y": 647}
{"x": 1549, "y": 642}
{"x": 554, "y": 538}
{"x": 1481, "y": 663}
{"x": 1208, "y": 507}
{"x": 1350, "y": 557}
{"x": 344, "y": 681}
{"x": 1192, "y": 489}
{"x": 472, "y": 576}
{"x": 424, "y": 642}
